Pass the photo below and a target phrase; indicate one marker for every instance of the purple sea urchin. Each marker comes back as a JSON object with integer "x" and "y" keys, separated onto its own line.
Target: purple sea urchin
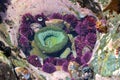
{"x": 80, "y": 43}
{"x": 49, "y": 68}
{"x": 34, "y": 60}
{"x": 24, "y": 44}
{"x": 71, "y": 19}
{"x": 91, "y": 39}
{"x": 50, "y": 60}
{"x": 60, "y": 62}
{"x": 81, "y": 29}
{"x": 70, "y": 57}
{"x": 27, "y": 18}
{"x": 86, "y": 57}
{"x": 41, "y": 18}
{"x": 78, "y": 60}
{"x": 56, "y": 16}
{"x": 91, "y": 20}
{"x": 87, "y": 37}
{"x": 86, "y": 25}
{"x": 23, "y": 41}
{"x": 26, "y": 31}
{"x": 65, "y": 66}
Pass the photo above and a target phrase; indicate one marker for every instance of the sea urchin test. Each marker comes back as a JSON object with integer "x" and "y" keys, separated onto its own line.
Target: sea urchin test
{"x": 51, "y": 39}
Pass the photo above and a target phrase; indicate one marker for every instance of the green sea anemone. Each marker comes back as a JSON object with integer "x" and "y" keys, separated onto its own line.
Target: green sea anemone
{"x": 51, "y": 39}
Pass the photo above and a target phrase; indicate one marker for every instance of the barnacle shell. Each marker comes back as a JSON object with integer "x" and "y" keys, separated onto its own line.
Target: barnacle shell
{"x": 23, "y": 72}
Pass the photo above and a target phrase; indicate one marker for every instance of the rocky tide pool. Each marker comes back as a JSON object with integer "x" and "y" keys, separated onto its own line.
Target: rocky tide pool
{"x": 59, "y": 40}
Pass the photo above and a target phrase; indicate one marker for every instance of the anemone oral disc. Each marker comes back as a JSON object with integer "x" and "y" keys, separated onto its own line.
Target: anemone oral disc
{"x": 51, "y": 39}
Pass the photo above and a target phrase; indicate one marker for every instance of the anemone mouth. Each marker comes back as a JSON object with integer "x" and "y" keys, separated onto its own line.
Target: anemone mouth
{"x": 51, "y": 39}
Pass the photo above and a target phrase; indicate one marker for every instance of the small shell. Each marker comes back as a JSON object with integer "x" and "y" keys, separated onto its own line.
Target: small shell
{"x": 73, "y": 65}
{"x": 101, "y": 27}
{"x": 22, "y": 73}
{"x": 72, "y": 68}
{"x": 36, "y": 26}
